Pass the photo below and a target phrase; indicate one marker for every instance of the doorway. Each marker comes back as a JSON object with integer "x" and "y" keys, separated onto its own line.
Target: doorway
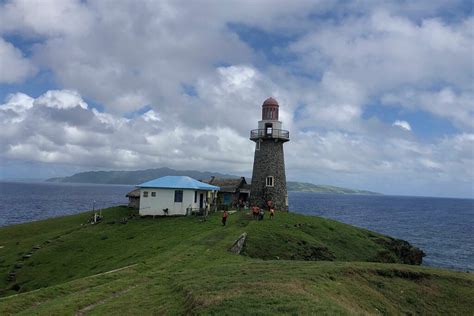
{"x": 201, "y": 200}
{"x": 268, "y": 129}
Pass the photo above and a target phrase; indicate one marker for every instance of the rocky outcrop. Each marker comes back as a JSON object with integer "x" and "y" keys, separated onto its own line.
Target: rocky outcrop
{"x": 403, "y": 250}
{"x": 238, "y": 244}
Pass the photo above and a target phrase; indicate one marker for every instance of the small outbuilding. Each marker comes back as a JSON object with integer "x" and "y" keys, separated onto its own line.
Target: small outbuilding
{"x": 134, "y": 198}
{"x": 232, "y": 190}
{"x": 175, "y": 195}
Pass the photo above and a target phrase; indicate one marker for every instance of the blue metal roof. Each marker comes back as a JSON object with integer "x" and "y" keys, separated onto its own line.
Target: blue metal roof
{"x": 177, "y": 182}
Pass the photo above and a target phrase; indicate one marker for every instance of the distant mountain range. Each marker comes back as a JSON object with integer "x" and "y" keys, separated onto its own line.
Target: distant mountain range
{"x": 140, "y": 176}
{"x": 134, "y": 177}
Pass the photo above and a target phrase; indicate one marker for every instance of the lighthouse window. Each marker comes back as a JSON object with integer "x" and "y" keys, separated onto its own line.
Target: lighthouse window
{"x": 269, "y": 181}
{"x": 268, "y": 129}
{"x": 257, "y": 146}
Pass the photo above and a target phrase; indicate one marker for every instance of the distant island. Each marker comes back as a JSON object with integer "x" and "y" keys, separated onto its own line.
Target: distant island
{"x": 309, "y": 187}
{"x": 140, "y": 176}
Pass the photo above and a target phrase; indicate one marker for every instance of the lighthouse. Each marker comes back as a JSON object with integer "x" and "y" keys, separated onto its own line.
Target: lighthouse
{"x": 268, "y": 176}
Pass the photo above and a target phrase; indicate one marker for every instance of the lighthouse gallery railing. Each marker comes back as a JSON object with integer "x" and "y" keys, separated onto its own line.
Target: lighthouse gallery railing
{"x": 269, "y": 133}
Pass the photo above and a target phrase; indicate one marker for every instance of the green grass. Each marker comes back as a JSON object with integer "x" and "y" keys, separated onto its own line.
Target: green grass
{"x": 182, "y": 265}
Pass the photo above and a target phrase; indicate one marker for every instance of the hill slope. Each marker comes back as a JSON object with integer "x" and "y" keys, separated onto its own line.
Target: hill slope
{"x": 183, "y": 266}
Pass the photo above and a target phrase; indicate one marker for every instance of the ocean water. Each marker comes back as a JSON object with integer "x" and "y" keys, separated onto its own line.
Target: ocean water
{"x": 25, "y": 202}
{"x": 442, "y": 227}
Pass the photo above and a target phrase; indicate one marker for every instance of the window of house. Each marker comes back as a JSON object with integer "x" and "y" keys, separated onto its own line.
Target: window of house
{"x": 153, "y": 194}
{"x": 269, "y": 181}
{"x": 195, "y": 196}
{"x": 145, "y": 194}
{"x": 178, "y": 196}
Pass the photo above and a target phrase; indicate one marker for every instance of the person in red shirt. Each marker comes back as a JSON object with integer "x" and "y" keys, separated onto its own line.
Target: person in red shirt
{"x": 255, "y": 211}
{"x": 224, "y": 217}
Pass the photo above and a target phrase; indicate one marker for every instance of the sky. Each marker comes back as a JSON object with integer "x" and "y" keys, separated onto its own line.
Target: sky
{"x": 377, "y": 95}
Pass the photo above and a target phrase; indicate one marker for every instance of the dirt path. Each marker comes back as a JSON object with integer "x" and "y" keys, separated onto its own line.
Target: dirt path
{"x": 111, "y": 271}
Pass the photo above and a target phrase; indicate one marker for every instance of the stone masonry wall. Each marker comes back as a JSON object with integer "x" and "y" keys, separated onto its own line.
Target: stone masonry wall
{"x": 269, "y": 161}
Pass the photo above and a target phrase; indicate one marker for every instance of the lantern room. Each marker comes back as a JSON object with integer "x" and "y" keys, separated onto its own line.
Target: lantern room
{"x": 270, "y": 110}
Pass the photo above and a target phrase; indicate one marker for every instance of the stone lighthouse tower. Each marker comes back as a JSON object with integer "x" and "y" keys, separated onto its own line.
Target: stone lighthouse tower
{"x": 268, "y": 177}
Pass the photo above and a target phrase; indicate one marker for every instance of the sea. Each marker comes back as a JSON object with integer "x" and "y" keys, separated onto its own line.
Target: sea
{"x": 442, "y": 227}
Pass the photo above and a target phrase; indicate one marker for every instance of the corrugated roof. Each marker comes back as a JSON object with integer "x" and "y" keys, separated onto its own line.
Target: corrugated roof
{"x": 226, "y": 182}
{"x": 177, "y": 182}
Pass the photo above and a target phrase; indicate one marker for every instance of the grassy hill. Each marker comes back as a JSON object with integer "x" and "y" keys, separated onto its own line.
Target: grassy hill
{"x": 294, "y": 264}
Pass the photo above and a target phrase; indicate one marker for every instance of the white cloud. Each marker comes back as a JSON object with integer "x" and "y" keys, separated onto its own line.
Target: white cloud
{"x": 14, "y": 67}
{"x": 443, "y": 103}
{"x": 393, "y": 165}
{"x": 18, "y": 102}
{"x": 45, "y": 17}
{"x": 61, "y": 99}
{"x": 380, "y": 53}
{"x": 59, "y": 128}
{"x": 151, "y": 116}
{"x": 160, "y": 47}
{"x": 402, "y": 124}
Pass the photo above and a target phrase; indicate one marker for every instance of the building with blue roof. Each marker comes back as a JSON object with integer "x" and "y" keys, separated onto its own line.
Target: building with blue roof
{"x": 175, "y": 195}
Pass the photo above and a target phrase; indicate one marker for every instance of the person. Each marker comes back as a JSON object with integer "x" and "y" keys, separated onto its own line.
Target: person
{"x": 269, "y": 204}
{"x": 206, "y": 212}
{"x": 261, "y": 214}
{"x": 224, "y": 217}
{"x": 272, "y": 213}
{"x": 255, "y": 211}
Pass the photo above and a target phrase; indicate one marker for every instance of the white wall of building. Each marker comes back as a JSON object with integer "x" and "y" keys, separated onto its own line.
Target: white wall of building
{"x": 164, "y": 198}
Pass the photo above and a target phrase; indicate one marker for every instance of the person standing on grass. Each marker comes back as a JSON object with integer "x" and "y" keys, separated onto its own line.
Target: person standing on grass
{"x": 206, "y": 212}
{"x": 255, "y": 211}
{"x": 269, "y": 205}
{"x": 272, "y": 213}
{"x": 224, "y": 217}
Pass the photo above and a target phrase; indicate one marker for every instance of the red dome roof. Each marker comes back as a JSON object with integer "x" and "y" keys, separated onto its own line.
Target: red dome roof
{"x": 270, "y": 101}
